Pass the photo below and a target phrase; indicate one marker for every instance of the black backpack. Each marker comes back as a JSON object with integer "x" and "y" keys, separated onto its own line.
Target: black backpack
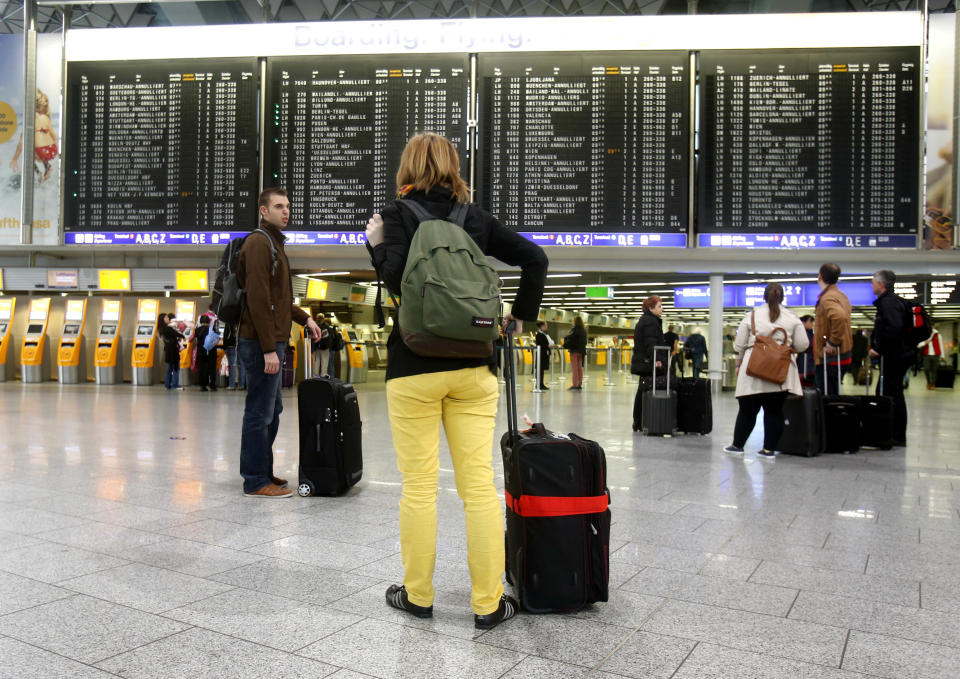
{"x": 229, "y": 298}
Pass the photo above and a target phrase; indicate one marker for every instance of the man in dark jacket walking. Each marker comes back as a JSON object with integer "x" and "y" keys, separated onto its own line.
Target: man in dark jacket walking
{"x": 544, "y": 342}
{"x": 264, "y": 272}
{"x": 889, "y": 342}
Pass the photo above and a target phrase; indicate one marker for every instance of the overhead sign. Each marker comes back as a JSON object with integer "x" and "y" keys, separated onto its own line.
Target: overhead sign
{"x": 358, "y": 294}
{"x": 860, "y": 293}
{"x": 316, "y": 289}
{"x": 192, "y": 280}
{"x": 62, "y": 278}
{"x": 114, "y": 279}
{"x": 599, "y": 292}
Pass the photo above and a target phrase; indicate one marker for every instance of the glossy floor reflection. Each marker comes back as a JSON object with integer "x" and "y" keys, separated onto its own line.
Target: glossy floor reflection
{"x": 126, "y": 549}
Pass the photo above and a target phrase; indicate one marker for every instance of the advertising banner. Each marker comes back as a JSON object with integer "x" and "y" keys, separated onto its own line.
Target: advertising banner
{"x": 14, "y": 158}
{"x": 938, "y": 217}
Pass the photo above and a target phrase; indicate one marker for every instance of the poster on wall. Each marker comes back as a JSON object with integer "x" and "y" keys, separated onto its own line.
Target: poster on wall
{"x": 938, "y": 215}
{"x": 46, "y": 148}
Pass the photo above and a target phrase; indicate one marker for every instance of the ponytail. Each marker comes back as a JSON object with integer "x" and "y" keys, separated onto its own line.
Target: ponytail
{"x": 773, "y": 296}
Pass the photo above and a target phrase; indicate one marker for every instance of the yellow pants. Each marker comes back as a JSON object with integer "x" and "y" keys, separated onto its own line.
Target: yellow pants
{"x": 465, "y": 401}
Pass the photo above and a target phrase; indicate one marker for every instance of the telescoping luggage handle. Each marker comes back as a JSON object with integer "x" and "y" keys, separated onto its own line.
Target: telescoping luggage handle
{"x": 666, "y": 364}
{"x": 510, "y": 378}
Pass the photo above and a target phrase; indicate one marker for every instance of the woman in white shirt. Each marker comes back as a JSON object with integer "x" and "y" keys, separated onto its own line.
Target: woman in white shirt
{"x": 754, "y": 393}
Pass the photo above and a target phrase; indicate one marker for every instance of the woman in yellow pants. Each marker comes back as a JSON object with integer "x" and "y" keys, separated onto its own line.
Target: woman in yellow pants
{"x": 424, "y": 392}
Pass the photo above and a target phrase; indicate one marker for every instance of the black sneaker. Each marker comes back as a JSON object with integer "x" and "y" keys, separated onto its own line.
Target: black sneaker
{"x": 766, "y": 454}
{"x": 397, "y": 597}
{"x": 508, "y": 608}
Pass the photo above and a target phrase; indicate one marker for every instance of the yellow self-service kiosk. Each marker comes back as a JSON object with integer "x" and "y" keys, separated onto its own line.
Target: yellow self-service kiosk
{"x": 356, "y": 355}
{"x": 35, "y": 352}
{"x": 107, "y": 368}
{"x": 71, "y": 366}
{"x": 7, "y": 307}
{"x": 144, "y": 342}
{"x": 186, "y": 311}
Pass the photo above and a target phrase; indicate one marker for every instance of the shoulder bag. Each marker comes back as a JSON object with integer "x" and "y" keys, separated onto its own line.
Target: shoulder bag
{"x": 769, "y": 359}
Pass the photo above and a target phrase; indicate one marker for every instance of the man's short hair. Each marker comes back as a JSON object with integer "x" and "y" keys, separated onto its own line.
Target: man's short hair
{"x": 830, "y": 273}
{"x": 886, "y": 278}
{"x": 541, "y": 324}
{"x": 267, "y": 194}
{"x": 805, "y": 318}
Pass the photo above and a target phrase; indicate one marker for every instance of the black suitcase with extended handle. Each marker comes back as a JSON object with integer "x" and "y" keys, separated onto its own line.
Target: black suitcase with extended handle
{"x": 558, "y": 520}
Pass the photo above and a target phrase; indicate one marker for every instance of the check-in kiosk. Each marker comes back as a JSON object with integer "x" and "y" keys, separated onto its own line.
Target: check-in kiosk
{"x": 356, "y": 353}
{"x": 107, "y": 368}
{"x": 186, "y": 310}
{"x": 71, "y": 366}
{"x": 144, "y": 343}
{"x": 7, "y": 307}
{"x": 35, "y": 352}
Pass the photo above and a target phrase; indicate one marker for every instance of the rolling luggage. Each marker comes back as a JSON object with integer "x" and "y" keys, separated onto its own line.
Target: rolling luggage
{"x": 659, "y": 406}
{"x": 945, "y": 377}
{"x": 841, "y": 418}
{"x": 331, "y": 455}
{"x": 803, "y": 432}
{"x": 558, "y": 520}
{"x": 876, "y": 418}
{"x": 694, "y": 406}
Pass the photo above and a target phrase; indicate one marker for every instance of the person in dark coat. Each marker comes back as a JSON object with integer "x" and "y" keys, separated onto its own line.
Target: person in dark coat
{"x": 888, "y": 340}
{"x": 206, "y": 360}
{"x": 576, "y": 343}
{"x": 171, "y": 351}
{"x": 646, "y": 335}
{"x": 544, "y": 342}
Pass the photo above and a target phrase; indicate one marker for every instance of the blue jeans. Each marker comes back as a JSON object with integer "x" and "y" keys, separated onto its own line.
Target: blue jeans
{"x": 236, "y": 368}
{"x": 171, "y": 379}
{"x": 261, "y": 415}
{"x": 697, "y": 365}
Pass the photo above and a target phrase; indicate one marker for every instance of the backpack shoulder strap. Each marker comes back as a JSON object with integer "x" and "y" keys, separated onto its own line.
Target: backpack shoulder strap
{"x": 458, "y": 215}
{"x": 273, "y": 248}
{"x": 416, "y": 208}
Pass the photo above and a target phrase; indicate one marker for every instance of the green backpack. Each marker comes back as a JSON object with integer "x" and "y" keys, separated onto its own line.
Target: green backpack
{"x": 449, "y": 293}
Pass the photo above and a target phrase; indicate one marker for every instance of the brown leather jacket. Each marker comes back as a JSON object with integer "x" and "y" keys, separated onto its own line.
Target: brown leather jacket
{"x": 270, "y": 309}
{"x": 832, "y": 320}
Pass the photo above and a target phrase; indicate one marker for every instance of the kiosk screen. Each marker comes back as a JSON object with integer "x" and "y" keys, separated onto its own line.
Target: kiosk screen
{"x": 71, "y": 329}
{"x": 351, "y": 335}
{"x": 808, "y": 141}
{"x": 587, "y": 142}
{"x": 161, "y": 145}
{"x": 144, "y": 330}
{"x": 339, "y": 126}
{"x": 108, "y": 330}
{"x": 34, "y": 329}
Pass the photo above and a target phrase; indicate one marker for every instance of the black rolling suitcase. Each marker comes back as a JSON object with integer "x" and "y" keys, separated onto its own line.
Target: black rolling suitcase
{"x": 876, "y": 418}
{"x": 694, "y": 406}
{"x": 558, "y": 520}
{"x": 331, "y": 453}
{"x": 659, "y": 406}
{"x": 803, "y": 432}
{"x": 841, "y": 418}
{"x": 945, "y": 377}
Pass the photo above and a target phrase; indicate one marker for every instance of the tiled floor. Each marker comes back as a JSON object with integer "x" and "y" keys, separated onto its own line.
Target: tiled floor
{"x": 127, "y": 550}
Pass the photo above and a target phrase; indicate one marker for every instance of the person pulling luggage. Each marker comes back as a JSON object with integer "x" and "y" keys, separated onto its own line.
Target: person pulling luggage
{"x": 647, "y": 334}
{"x": 461, "y": 393}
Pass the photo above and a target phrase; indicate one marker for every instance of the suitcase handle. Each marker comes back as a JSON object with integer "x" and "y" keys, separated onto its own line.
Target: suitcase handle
{"x": 666, "y": 365}
{"x": 510, "y": 378}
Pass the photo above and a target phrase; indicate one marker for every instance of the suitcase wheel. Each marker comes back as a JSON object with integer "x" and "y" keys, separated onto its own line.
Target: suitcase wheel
{"x": 305, "y": 489}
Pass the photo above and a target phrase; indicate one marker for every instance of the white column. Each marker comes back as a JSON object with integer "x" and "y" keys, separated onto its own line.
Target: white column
{"x": 715, "y": 363}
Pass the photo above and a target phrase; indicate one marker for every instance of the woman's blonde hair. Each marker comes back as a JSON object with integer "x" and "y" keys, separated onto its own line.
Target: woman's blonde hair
{"x": 43, "y": 103}
{"x": 431, "y": 160}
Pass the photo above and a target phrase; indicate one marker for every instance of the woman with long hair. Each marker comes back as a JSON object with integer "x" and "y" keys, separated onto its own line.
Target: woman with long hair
{"x": 754, "y": 393}
{"x": 576, "y": 343}
{"x": 424, "y": 392}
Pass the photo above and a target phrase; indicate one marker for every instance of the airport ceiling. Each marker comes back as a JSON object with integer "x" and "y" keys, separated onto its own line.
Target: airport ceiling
{"x": 217, "y": 12}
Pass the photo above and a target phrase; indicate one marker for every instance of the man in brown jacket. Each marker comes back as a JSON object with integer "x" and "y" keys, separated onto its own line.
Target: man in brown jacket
{"x": 831, "y": 331}
{"x": 264, "y": 272}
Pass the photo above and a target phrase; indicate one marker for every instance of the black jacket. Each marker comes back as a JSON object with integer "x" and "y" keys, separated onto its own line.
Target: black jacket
{"x": 171, "y": 344}
{"x": 544, "y": 345}
{"x": 646, "y": 335}
{"x": 576, "y": 340}
{"x": 889, "y": 333}
{"x": 494, "y": 239}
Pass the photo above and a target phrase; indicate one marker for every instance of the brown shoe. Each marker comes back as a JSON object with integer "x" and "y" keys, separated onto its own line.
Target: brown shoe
{"x": 270, "y": 490}
{"x": 277, "y": 481}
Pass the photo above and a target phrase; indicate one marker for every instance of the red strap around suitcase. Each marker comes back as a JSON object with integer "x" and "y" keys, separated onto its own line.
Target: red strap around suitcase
{"x": 541, "y": 505}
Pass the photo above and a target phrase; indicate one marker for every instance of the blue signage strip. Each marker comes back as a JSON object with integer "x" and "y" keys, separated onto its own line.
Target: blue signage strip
{"x": 657, "y": 240}
{"x": 209, "y": 238}
{"x": 803, "y": 241}
{"x": 751, "y": 295}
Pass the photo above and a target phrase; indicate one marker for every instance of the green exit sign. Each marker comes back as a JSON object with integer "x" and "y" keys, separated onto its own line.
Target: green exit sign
{"x": 600, "y": 292}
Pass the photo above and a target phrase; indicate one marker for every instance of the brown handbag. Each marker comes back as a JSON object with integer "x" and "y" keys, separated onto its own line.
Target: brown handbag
{"x": 769, "y": 360}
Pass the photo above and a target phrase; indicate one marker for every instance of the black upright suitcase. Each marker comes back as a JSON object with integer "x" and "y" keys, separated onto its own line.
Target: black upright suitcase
{"x": 945, "y": 377}
{"x": 694, "y": 406}
{"x": 841, "y": 418}
{"x": 803, "y": 432}
{"x": 659, "y": 406}
{"x": 558, "y": 520}
{"x": 876, "y": 418}
{"x": 331, "y": 455}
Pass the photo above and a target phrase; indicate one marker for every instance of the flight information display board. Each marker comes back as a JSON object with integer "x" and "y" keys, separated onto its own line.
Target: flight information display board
{"x": 809, "y": 148}
{"x": 160, "y": 151}
{"x": 336, "y": 128}
{"x": 586, "y": 149}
